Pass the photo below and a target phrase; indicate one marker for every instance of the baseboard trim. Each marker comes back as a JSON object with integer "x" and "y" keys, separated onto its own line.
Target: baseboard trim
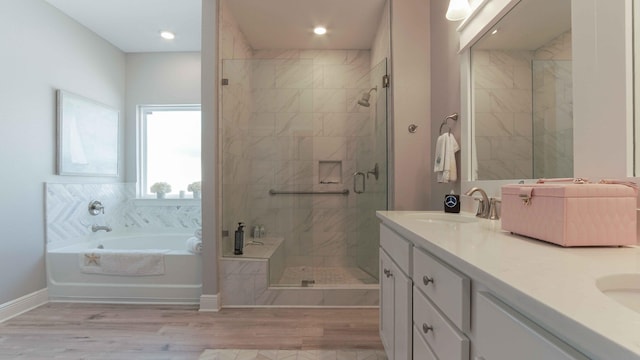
{"x": 23, "y": 304}
{"x": 210, "y": 303}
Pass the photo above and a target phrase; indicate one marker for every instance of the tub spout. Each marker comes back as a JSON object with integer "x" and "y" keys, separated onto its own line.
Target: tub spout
{"x": 96, "y": 228}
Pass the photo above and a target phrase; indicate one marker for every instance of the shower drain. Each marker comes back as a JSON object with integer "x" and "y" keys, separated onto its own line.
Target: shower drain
{"x": 307, "y": 283}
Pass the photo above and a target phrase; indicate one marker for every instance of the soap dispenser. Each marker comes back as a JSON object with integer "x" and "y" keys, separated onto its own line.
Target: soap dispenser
{"x": 238, "y": 243}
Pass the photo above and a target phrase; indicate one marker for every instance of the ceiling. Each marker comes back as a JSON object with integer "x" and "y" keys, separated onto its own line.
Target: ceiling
{"x": 529, "y": 25}
{"x": 134, "y": 25}
{"x": 288, "y": 24}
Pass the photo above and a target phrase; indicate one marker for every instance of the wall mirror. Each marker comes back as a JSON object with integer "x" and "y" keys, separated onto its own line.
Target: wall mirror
{"x": 521, "y": 94}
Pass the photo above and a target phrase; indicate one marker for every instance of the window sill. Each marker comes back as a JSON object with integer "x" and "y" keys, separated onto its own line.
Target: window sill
{"x": 166, "y": 202}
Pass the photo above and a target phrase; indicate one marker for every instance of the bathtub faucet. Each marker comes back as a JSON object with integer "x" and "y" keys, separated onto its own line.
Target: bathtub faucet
{"x": 96, "y": 228}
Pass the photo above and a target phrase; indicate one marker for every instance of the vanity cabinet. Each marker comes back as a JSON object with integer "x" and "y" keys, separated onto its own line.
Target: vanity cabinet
{"x": 502, "y": 333}
{"x": 395, "y": 296}
{"x": 426, "y": 309}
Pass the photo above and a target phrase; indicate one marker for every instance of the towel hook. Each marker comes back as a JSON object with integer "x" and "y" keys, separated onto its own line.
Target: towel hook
{"x": 453, "y": 117}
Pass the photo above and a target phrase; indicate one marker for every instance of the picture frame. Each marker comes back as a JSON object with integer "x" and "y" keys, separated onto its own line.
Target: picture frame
{"x": 87, "y": 136}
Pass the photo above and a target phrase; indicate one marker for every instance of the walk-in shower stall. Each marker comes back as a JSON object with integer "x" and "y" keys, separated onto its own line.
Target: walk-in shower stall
{"x": 304, "y": 158}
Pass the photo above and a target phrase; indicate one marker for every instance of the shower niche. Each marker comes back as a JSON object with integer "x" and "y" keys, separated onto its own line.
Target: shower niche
{"x": 330, "y": 172}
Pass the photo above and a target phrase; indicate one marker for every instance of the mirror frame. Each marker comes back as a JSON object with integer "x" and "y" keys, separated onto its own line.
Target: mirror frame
{"x": 603, "y": 87}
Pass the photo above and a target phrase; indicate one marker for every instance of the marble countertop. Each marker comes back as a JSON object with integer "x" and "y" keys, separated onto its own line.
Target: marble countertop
{"x": 552, "y": 285}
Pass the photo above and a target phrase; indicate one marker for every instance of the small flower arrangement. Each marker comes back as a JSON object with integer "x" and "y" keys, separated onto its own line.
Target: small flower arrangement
{"x": 161, "y": 187}
{"x": 196, "y": 186}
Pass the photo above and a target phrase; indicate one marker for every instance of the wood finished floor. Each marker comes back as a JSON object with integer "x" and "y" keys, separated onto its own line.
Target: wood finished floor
{"x": 96, "y": 331}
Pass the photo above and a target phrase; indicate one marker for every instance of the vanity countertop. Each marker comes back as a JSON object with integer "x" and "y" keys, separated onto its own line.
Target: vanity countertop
{"x": 552, "y": 285}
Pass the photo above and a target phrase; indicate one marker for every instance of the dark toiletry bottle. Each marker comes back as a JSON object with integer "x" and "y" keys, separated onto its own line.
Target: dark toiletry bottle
{"x": 238, "y": 244}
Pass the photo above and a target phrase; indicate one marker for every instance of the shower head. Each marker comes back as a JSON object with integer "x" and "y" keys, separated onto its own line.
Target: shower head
{"x": 364, "y": 101}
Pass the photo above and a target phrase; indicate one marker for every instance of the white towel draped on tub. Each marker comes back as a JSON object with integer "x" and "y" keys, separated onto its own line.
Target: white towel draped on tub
{"x": 194, "y": 245}
{"x": 445, "y": 162}
{"x": 131, "y": 263}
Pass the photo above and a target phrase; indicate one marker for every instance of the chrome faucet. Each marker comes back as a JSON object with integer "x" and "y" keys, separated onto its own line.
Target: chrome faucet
{"x": 96, "y": 228}
{"x": 483, "y": 204}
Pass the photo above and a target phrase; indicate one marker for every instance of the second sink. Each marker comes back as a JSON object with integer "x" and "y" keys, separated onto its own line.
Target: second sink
{"x": 623, "y": 288}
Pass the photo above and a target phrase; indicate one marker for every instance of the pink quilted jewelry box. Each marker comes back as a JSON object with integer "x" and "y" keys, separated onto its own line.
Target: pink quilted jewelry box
{"x": 573, "y": 214}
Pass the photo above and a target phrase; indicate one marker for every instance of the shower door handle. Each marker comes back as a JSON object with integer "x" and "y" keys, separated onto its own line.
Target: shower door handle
{"x": 355, "y": 182}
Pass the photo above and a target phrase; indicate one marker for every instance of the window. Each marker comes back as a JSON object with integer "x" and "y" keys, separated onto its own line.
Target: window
{"x": 168, "y": 148}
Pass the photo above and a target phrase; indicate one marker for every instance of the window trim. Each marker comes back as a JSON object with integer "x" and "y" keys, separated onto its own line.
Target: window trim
{"x": 141, "y": 144}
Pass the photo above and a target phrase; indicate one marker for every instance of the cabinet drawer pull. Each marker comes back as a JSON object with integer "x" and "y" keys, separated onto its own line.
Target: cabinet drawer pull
{"x": 426, "y": 328}
{"x": 426, "y": 280}
{"x": 388, "y": 273}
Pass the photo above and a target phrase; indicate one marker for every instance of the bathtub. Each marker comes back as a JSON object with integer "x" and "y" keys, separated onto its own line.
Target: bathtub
{"x": 181, "y": 282}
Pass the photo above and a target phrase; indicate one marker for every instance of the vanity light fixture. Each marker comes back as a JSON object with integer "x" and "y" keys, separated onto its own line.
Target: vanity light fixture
{"x": 168, "y": 35}
{"x": 320, "y": 30}
{"x": 458, "y": 10}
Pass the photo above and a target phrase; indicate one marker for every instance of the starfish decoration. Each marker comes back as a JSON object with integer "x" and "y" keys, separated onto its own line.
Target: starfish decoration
{"x": 92, "y": 259}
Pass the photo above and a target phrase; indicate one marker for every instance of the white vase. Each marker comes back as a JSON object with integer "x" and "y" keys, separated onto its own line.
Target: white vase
{"x": 196, "y": 194}
{"x": 160, "y": 195}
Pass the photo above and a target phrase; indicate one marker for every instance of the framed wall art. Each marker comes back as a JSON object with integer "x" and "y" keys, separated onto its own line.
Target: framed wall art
{"x": 87, "y": 136}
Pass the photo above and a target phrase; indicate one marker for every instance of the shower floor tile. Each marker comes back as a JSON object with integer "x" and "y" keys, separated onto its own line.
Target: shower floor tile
{"x": 325, "y": 276}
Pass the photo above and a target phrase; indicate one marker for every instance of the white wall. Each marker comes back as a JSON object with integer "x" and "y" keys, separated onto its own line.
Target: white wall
{"x": 42, "y": 50}
{"x": 158, "y": 79}
{"x": 210, "y": 160}
{"x": 410, "y": 78}
{"x": 445, "y": 91}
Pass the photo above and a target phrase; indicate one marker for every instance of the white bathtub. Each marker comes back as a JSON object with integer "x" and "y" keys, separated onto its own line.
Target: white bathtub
{"x": 181, "y": 282}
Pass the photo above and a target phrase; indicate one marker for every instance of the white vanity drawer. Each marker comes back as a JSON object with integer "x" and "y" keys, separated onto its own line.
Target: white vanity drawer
{"x": 443, "y": 338}
{"x": 397, "y": 247}
{"x": 421, "y": 350}
{"x": 504, "y": 334}
{"x": 447, "y": 288}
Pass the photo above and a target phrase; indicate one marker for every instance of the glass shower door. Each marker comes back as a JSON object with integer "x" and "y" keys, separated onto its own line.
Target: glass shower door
{"x": 370, "y": 178}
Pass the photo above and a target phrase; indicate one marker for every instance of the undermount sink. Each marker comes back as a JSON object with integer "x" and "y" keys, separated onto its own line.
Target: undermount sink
{"x": 623, "y": 288}
{"x": 437, "y": 217}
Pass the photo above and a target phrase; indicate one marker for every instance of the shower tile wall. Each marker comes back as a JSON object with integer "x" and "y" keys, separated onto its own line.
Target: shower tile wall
{"x": 503, "y": 133}
{"x": 283, "y": 113}
{"x": 68, "y": 220}
{"x": 553, "y": 109}
{"x": 504, "y": 88}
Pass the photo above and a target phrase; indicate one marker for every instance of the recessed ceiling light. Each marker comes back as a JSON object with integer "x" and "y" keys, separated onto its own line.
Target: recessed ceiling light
{"x": 495, "y": 31}
{"x": 320, "y": 30}
{"x": 167, "y": 35}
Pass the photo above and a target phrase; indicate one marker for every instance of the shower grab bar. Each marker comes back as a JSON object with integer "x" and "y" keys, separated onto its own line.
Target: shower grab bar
{"x": 337, "y": 192}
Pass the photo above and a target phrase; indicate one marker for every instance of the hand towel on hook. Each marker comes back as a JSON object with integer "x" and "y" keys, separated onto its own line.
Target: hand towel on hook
{"x": 445, "y": 162}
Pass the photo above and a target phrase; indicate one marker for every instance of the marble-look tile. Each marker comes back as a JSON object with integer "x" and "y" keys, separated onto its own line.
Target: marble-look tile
{"x": 325, "y": 56}
{"x": 329, "y": 100}
{"x": 348, "y": 124}
{"x": 511, "y": 58}
{"x": 287, "y": 100}
{"x": 294, "y": 124}
{"x": 359, "y": 57}
{"x": 494, "y": 124}
{"x": 263, "y": 74}
{"x": 493, "y": 77}
{"x": 329, "y": 148}
{"x": 510, "y": 100}
{"x": 297, "y": 75}
{"x": 276, "y": 54}
{"x": 242, "y": 267}
{"x": 237, "y": 290}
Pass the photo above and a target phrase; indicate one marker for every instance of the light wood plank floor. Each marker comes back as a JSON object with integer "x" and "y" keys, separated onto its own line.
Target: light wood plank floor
{"x": 95, "y": 331}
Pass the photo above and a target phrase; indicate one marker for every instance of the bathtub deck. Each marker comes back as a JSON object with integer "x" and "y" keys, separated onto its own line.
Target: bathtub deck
{"x": 93, "y": 331}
